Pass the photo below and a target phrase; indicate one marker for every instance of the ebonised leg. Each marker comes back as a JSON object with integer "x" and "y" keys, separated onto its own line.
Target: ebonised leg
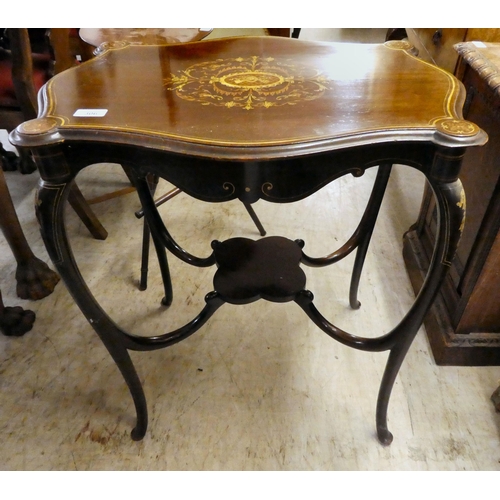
{"x": 50, "y": 215}
{"x": 366, "y": 230}
{"x": 122, "y": 359}
{"x": 151, "y": 181}
{"x": 255, "y": 219}
{"x": 450, "y": 203}
{"x": 146, "y": 239}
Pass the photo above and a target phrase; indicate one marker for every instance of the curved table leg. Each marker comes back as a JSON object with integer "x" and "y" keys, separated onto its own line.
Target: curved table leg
{"x": 50, "y": 209}
{"x": 366, "y": 230}
{"x": 450, "y": 202}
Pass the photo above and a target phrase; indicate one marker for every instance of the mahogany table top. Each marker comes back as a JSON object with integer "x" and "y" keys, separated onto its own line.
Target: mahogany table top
{"x": 254, "y": 97}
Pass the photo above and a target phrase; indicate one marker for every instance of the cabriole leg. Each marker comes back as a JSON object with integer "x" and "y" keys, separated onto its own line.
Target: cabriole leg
{"x": 50, "y": 213}
{"x": 450, "y": 203}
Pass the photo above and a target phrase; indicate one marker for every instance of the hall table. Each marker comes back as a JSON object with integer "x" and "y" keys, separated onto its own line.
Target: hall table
{"x": 252, "y": 118}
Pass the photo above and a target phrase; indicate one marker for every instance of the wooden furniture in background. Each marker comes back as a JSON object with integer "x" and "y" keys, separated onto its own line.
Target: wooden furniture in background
{"x": 254, "y": 118}
{"x": 435, "y": 45}
{"x": 25, "y": 81}
{"x": 22, "y": 74}
{"x": 463, "y": 326}
{"x": 142, "y": 36}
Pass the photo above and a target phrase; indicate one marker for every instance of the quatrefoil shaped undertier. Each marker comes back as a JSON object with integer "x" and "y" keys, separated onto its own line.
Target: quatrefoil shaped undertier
{"x": 250, "y": 270}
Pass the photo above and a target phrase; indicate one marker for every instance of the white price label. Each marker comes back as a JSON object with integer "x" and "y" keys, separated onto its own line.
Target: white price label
{"x": 92, "y": 113}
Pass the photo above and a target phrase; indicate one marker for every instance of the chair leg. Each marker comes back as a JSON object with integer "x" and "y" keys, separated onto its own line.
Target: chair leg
{"x": 83, "y": 210}
{"x": 35, "y": 280}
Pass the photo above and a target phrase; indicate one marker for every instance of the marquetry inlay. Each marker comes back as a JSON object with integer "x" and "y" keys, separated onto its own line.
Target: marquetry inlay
{"x": 456, "y": 127}
{"x": 39, "y": 126}
{"x": 398, "y": 44}
{"x": 248, "y": 83}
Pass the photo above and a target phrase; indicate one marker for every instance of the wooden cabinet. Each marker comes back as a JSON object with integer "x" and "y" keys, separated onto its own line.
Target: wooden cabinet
{"x": 464, "y": 325}
{"x": 436, "y": 45}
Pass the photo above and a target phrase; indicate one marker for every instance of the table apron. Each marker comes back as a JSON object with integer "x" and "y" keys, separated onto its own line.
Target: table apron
{"x": 279, "y": 181}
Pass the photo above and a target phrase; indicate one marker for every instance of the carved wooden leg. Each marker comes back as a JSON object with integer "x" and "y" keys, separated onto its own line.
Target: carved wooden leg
{"x": 86, "y": 214}
{"x": 35, "y": 279}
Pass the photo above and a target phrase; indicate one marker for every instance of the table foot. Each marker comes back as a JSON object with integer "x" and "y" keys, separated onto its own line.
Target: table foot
{"x": 354, "y": 303}
{"x": 384, "y": 436}
{"x": 138, "y": 433}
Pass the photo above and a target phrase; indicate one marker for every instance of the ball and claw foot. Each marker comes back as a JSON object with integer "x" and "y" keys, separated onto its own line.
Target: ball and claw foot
{"x": 35, "y": 279}
{"x": 16, "y": 321}
{"x": 384, "y": 436}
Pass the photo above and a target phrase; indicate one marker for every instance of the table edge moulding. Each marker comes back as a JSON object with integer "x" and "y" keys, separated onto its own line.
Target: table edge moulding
{"x": 346, "y": 109}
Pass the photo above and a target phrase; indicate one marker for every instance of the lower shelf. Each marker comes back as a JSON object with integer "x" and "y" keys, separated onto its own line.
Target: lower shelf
{"x": 448, "y": 347}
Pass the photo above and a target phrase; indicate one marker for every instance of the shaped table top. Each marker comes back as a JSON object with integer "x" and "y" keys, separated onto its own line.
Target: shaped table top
{"x": 253, "y": 96}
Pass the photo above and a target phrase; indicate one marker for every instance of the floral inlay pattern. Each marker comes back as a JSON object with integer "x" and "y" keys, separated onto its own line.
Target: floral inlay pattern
{"x": 457, "y": 127}
{"x": 248, "y": 83}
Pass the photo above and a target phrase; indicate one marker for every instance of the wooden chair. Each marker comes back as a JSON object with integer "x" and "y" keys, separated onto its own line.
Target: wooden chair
{"x": 21, "y": 74}
{"x": 26, "y": 72}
